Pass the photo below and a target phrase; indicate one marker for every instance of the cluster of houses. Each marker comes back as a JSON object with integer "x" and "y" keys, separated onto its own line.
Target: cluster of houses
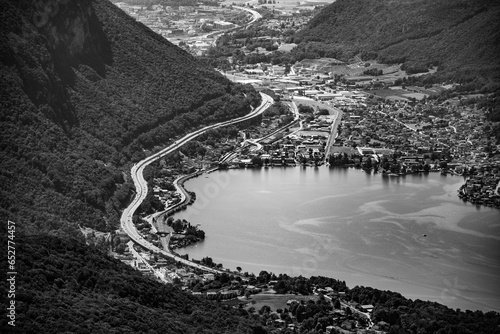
{"x": 305, "y": 147}
{"x": 415, "y": 136}
{"x": 188, "y": 279}
{"x": 219, "y": 295}
{"x": 284, "y": 20}
{"x": 422, "y": 129}
{"x": 166, "y": 197}
{"x": 375, "y": 135}
{"x": 460, "y": 129}
{"x": 448, "y": 136}
{"x": 482, "y": 187}
{"x": 355, "y": 320}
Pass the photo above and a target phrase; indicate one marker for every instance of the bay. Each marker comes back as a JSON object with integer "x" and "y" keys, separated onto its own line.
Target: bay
{"x": 409, "y": 234}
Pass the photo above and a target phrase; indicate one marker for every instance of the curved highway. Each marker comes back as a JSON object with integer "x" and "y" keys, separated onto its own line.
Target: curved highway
{"x": 255, "y": 14}
{"x": 142, "y": 188}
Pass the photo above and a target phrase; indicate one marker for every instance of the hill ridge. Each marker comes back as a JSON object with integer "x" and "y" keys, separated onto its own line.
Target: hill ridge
{"x": 461, "y": 37}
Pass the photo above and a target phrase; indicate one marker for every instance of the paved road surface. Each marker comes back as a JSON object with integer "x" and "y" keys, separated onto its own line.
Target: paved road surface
{"x": 142, "y": 187}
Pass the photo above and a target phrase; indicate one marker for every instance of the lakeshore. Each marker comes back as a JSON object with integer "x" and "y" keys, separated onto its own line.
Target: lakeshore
{"x": 410, "y": 234}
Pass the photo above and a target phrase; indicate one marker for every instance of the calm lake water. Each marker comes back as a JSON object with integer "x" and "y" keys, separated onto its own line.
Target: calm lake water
{"x": 409, "y": 234}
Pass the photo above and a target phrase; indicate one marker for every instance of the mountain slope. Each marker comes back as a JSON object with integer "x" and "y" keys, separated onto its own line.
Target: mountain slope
{"x": 84, "y": 88}
{"x": 460, "y": 36}
{"x": 65, "y": 286}
{"x": 68, "y": 287}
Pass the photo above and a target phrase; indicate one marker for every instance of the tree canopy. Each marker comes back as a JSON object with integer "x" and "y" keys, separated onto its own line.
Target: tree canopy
{"x": 67, "y": 286}
{"x": 460, "y": 37}
{"x": 85, "y": 90}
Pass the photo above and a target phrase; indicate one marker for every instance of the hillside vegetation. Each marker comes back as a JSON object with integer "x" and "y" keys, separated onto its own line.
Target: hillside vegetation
{"x": 68, "y": 287}
{"x": 461, "y": 37}
{"x": 84, "y": 90}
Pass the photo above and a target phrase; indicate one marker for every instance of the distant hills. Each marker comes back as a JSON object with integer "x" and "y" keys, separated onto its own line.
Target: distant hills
{"x": 84, "y": 90}
{"x": 461, "y": 37}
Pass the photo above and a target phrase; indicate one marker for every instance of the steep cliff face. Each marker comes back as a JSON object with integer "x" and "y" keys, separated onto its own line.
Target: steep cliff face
{"x": 73, "y": 33}
{"x": 43, "y": 40}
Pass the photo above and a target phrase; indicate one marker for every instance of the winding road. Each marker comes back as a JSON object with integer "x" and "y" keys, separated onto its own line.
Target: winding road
{"x": 255, "y": 14}
{"x": 142, "y": 188}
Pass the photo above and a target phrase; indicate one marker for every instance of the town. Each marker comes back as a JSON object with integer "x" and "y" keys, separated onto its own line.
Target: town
{"x": 326, "y": 114}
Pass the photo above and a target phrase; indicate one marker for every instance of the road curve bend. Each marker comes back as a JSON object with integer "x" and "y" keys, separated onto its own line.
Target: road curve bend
{"x": 142, "y": 188}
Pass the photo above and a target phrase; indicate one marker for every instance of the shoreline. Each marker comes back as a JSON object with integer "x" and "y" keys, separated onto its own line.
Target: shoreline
{"x": 362, "y": 271}
{"x": 141, "y": 186}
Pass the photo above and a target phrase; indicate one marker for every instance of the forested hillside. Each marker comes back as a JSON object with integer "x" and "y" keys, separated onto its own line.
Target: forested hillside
{"x": 84, "y": 90}
{"x": 68, "y": 287}
{"x": 461, "y": 37}
{"x": 65, "y": 286}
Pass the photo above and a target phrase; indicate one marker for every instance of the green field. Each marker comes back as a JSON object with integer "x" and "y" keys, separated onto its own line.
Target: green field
{"x": 275, "y": 301}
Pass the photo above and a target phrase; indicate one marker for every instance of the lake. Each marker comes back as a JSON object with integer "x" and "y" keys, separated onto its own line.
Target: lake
{"x": 409, "y": 234}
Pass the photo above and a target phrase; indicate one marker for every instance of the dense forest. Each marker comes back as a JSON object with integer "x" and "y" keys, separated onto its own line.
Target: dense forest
{"x": 85, "y": 90}
{"x": 460, "y": 37}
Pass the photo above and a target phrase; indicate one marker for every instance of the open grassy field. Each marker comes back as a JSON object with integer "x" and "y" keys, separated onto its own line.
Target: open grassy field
{"x": 418, "y": 96}
{"x": 314, "y": 104}
{"x": 275, "y": 301}
{"x": 398, "y": 93}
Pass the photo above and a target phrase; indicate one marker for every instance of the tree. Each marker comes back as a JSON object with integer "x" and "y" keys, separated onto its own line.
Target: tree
{"x": 170, "y": 220}
{"x": 207, "y": 261}
{"x": 264, "y": 309}
{"x": 287, "y": 69}
{"x": 120, "y": 249}
{"x": 305, "y": 109}
{"x": 336, "y": 304}
{"x": 257, "y": 161}
{"x": 177, "y": 226}
{"x": 116, "y": 241}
